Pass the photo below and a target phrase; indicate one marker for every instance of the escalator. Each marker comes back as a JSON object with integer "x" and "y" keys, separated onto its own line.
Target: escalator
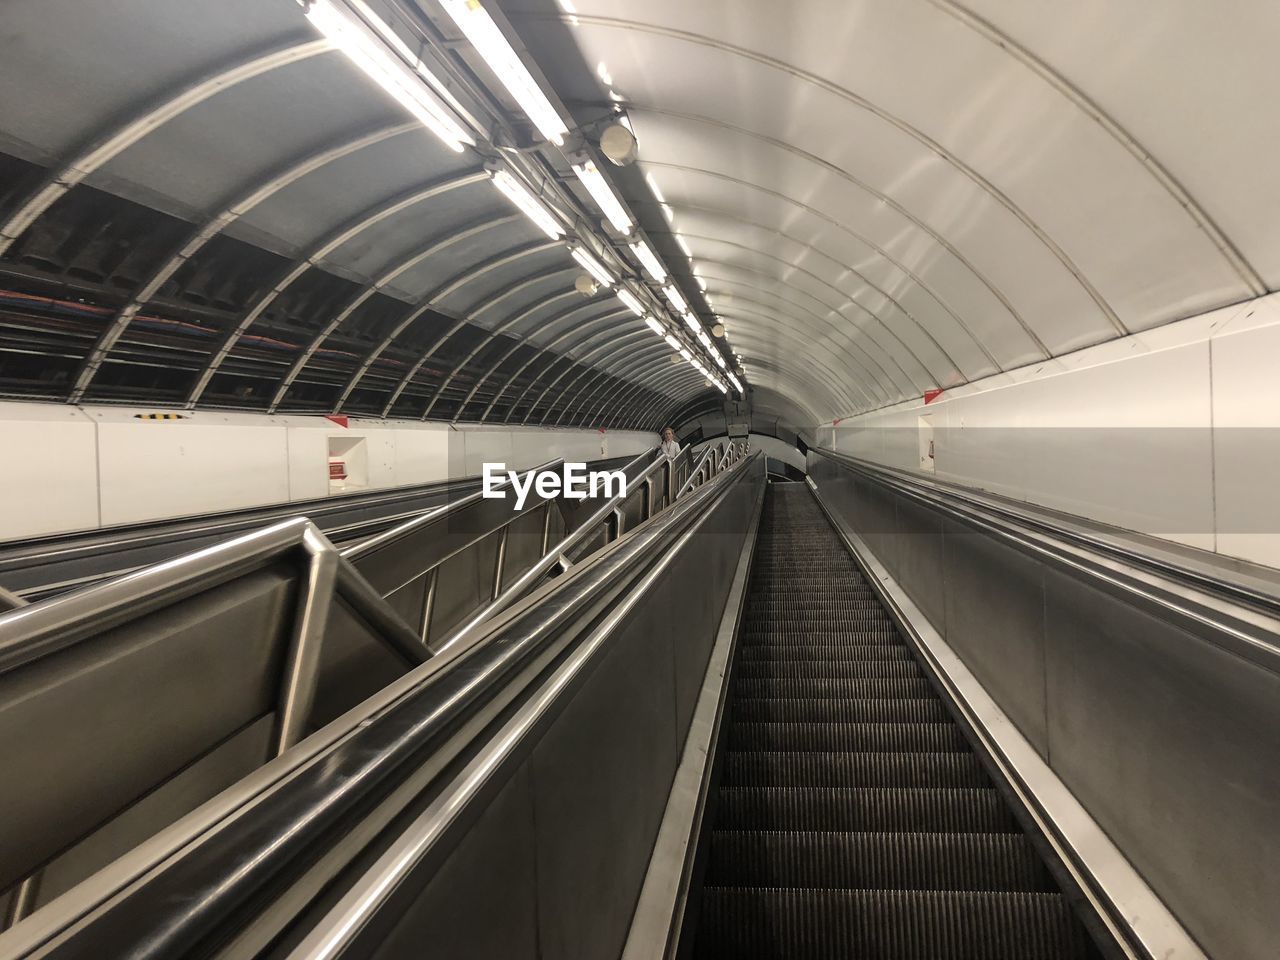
{"x": 852, "y": 817}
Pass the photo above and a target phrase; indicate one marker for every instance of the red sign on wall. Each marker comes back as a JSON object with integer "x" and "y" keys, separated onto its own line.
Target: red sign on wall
{"x": 337, "y": 470}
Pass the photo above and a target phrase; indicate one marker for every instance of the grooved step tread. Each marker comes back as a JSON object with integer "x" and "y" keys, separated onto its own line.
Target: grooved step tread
{"x": 850, "y": 669}
{"x": 774, "y": 710}
{"x": 863, "y": 809}
{"x": 847, "y": 737}
{"x": 817, "y": 769}
{"x": 805, "y": 924}
{"x": 869, "y": 861}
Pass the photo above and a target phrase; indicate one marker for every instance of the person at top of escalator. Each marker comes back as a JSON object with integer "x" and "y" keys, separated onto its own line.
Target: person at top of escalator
{"x": 669, "y": 447}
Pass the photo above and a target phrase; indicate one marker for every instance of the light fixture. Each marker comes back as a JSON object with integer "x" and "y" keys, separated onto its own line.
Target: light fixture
{"x": 629, "y": 298}
{"x": 604, "y": 196}
{"x": 655, "y": 326}
{"x": 684, "y": 246}
{"x": 717, "y": 330}
{"x": 691, "y": 322}
{"x": 702, "y": 285}
{"x": 677, "y": 301}
{"x": 618, "y": 143}
{"x": 737, "y": 384}
{"x": 586, "y": 286}
{"x": 529, "y": 205}
{"x": 649, "y": 260}
{"x": 686, "y": 354}
{"x": 704, "y": 340}
{"x": 408, "y": 85}
{"x": 591, "y": 265}
{"x": 478, "y": 27}
{"x": 720, "y": 386}
{"x": 674, "y": 344}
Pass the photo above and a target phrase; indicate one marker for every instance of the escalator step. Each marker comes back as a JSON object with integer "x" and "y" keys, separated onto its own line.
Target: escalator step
{"x": 769, "y": 709}
{"x": 864, "y": 809}
{"x": 864, "y": 635}
{"x": 803, "y": 610}
{"x": 796, "y": 652}
{"x": 805, "y": 924}
{"x": 853, "y": 770}
{"x": 847, "y": 737}
{"x": 867, "y": 861}
{"x": 818, "y": 687}
{"x": 827, "y": 669}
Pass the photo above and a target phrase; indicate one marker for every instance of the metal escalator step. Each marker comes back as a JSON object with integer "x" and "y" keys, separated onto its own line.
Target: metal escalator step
{"x": 805, "y": 924}
{"x": 819, "y": 635}
{"x": 830, "y": 669}
{"x": 864, "y": 809}
{"x": 779, "y": 769}
{"x": 906, "y": 688}
{"x": 825, "y": 609}
{"x": 869, "y": 861}
{"x": 825, "y": 653}
{"x": 769, "y": 709}
{"x": 847, "y": 737}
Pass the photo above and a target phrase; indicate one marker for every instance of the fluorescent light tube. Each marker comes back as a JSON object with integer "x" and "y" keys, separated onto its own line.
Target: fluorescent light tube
{"x": 686, "y": 354}
{"x": 478, "y": 27}
{"x": 691, "y": 322}
{"x": 655, "y": 326}
{"x": 649, "y": 260}
{"x": 528, "y": 204}
{"x": 674, "y": 344}
{"x": 704, "y": 339}
{"x": 604, "y": 196}
{"x": 719, "y": 360}
{"x": 737, "y": 384}
{"x": 684, "y": 246}
{"x": 677, "y": 301}
{"x": 720, "y": 386}
{"x": 629, "y": 298}
{"x": 592, "y": 266}
{"x": 359, "y": 41}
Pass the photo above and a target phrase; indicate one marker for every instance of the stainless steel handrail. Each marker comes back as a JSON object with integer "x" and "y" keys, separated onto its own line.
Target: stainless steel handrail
{"x": 267, "y": 831}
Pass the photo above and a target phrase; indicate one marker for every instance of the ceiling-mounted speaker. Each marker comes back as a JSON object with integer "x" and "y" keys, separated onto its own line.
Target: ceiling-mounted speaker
{"x": 675, "y": 358}
{"x": 586, "y": 286}
{"x": 718, "y": 330}
{"x": 618, "y": 144}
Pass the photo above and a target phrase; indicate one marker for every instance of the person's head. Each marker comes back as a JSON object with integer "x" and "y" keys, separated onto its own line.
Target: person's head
{"x": 668, "y": 434}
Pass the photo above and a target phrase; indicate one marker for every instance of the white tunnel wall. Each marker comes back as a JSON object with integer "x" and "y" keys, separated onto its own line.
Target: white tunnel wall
{"x": 74, "y": 468}
{"x": 1172, "y": 432}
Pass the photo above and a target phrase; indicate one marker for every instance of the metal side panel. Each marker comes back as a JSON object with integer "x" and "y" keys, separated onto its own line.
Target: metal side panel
{"x": 1173, "y": 744}
{"x": 100, "y": 723}
{"x": 918, "y": 546}
{"x": 999, "y": 633}
{"x": 454, "y": 915}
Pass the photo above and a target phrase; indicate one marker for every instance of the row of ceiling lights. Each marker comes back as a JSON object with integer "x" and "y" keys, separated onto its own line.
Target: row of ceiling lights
{"x": 379, "y": 51}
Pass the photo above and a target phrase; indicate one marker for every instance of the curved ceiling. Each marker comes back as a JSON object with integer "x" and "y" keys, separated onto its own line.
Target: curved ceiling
{"x": 203, "y": 204}
{"x": 907, "y": 195}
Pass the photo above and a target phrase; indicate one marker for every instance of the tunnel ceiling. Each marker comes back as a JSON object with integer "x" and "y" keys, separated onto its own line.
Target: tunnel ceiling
{"x": 203, "y": 204}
